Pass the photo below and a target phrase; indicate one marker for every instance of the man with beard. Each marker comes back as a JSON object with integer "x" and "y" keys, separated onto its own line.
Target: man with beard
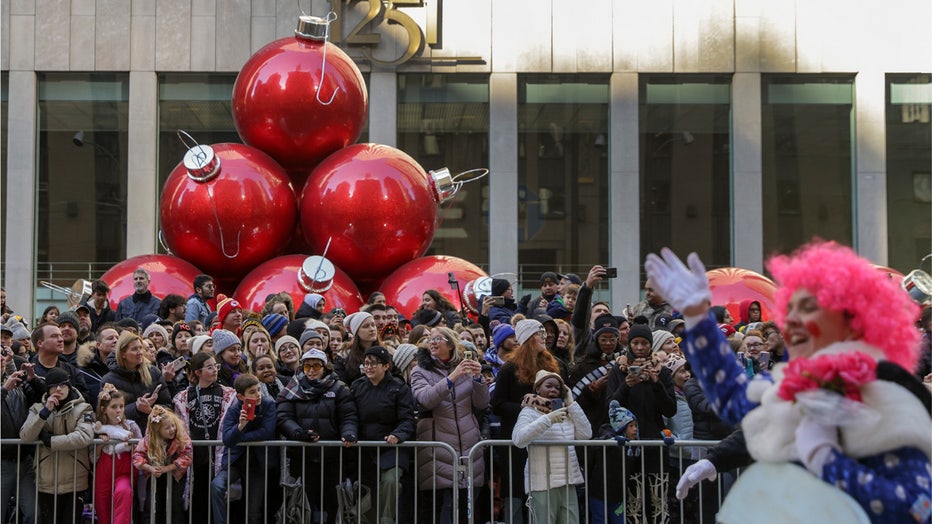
{"x": 85, "y": 324}
{"x": 142, "y": 302}
{"x": 198, "y": 309}
{"x": 68, "y": 324}
{"x": 652, "y": 307}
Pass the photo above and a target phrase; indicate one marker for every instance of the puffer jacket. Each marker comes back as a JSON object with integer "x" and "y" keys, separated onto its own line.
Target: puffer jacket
{"x": 130, "y": 383}
{"x": 706, "y": 423}
{"x": 551, "y": 467}
{"x": 324, "y": 405}
{"x": 92, "y": 368}
{"x": 63, "y": 467}
{"x": 446, "y": 415}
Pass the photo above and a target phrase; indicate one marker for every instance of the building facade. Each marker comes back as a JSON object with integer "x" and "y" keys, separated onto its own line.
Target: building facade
{"x": 733, "y": 128}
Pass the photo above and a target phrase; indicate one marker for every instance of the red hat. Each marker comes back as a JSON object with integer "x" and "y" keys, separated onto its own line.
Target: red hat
{"x": 225, "y": 306}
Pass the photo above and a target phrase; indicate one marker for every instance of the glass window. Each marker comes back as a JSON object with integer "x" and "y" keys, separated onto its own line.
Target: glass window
{"x": 81, "y": 194}
{"x": 685, "y": 158}
{"x": 806, "y": 127}
{"x": 443, "y": 121}
{"x": 4, "y": 99}
{"x": 909, "y": 169}
{"x": 562, "y": 174}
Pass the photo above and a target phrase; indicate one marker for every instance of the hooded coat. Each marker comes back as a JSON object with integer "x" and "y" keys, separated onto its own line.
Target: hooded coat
{"x": 447, "y": 414}
{"x": 64, "y": 467}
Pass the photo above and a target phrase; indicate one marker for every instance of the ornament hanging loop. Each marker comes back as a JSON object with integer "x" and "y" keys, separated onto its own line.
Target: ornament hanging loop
{"x": 316, "y": 28}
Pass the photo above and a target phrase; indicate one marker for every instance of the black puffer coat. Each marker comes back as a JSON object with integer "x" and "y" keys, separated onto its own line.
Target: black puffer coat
{"x": 706, "y": 424}
{"x": 130, "y": 383}
{"x": 325, "y": 406}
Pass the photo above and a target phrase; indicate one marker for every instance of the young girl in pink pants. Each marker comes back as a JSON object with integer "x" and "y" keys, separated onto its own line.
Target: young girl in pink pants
{"x": 114, "y": 473}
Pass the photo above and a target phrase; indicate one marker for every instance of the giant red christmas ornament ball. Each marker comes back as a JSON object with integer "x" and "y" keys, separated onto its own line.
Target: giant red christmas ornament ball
{"x": 282, "y": 99}
{"x": 405, "y": 287}
{"x": 167, "y": 275}
{"x": 731, "y": 285}
{"x": 227, "y": 208}
{"x": 377, "y": 204}
{"x": 282, "y": 274}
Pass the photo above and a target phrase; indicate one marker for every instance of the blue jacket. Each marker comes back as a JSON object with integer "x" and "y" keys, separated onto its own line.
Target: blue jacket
{"x": 137, "y": 306}
{"x": 196, "y": 308}
{"x": 260, "y": 429}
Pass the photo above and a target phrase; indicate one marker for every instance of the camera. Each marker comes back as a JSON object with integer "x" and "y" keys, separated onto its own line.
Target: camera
{"x": 611, "y": 272}
{"x": 498, "y": 301}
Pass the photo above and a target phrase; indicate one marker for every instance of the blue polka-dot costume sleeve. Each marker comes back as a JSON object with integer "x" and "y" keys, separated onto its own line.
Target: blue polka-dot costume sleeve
{"x": 892, "y": 487}
{"x": 715, "y": 366}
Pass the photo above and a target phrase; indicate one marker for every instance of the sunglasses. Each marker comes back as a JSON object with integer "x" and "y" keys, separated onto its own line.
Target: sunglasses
{"x": 313, "y": 366}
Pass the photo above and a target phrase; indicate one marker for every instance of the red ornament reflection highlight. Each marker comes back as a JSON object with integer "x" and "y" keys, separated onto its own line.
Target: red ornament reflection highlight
{"x": 168, "y": 274}
{"x": 731, "y": 285}
{"x": 234, "y": 221}
{"x": 407, "y": 284}
{"x": 281, "y": 274}
{"x": 376, "y": 203}
{"x": 276, "y": 106}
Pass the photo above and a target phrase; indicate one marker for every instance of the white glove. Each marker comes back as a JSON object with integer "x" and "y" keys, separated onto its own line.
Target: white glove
{"x": 814, "y": 443}
{"x": 681, "y": 286}
{"x": 558, "y": 415}
{"x": 702, "y": 470}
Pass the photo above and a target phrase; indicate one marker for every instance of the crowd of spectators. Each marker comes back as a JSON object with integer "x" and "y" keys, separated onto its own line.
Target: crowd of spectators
{"x": 557, "y": 366}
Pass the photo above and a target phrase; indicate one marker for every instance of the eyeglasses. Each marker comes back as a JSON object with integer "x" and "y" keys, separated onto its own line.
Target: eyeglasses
{"x": 756, "y": 345}
{"x": 371, "y": 364}
{"x": 288, "y": 347}
{"x": 437, "y": 339}
{"x": 542, "y": 333}
{"x": 313, "y": 366}
{"x": 56, "y": 386}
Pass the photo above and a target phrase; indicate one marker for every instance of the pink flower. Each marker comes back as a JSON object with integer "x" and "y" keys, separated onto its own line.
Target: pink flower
{"x": 857, "y": 368}
{"x": 844, "y": 374}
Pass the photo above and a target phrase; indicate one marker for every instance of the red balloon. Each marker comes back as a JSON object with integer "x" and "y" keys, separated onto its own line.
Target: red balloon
{"x": 232, "y": 220}
{"x": 407, "y": 284}
{"x": 731, "y": 285}
{"x": 167, "y": 274}
{"x": 281, "y": 274}
{"x": 280, "y": 102}
{"x": 376, "y": 203}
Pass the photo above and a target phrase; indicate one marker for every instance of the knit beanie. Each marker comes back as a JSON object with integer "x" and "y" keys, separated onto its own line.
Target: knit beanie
{"x": 313, "y": 323}
{"x": 225, "y": 306}
{"x": 641, "y": 331}
{"x": 18, "y": 329}
{"x": 660, "y": 338}
{"x": 500, "y": 333}
{"x": 403, "y": 356}
{"x": 178, "y": 328}
{"x": 499, "y": 286}
{"x": 223, "y": 340}
{"x": 196, "y": 343}
{"x": 314, "y": 354}
{"x": 127, "y": 323}
{"x": 527, "y": 328}
{"x": 429, "y": 317}
{"x": 312, "y": 299}
{"x": 619, "y": 417}
{"x": 274, "y": 323}
{"x": 308, "y": 335}
{"x": 543, "y": 375}
{"x": 606, "y": 324}
{"x": 155, "y": 328}
{"x": 57, "y": 376}
{"x": 353, "y": 321}
{"x": 674, "y": 362}
{"x": 69, "y": 317}
{"x": 284, "y": 340}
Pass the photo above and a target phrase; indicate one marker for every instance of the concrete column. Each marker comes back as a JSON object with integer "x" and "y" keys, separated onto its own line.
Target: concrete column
{"x": 870, "y": 160}
{"x": 383, "y": 116}
{"x": 624, "y": 188}
{"x": 747, "y": 247}
{"x": 20, "y": 249}
{"x": 142, "y": 191}
{"x": 503, "y": 173}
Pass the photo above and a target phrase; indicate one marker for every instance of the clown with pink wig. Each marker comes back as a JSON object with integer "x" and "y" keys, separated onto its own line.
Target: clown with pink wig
{"x": 845, "y": 406}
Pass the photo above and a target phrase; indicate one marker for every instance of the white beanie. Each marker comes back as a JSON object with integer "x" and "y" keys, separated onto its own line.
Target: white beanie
{"x": 353, "y": 321}
{"x": 197, "y": 343}
{"x": 527, "y": 328}
{"x": 660, "y": 338}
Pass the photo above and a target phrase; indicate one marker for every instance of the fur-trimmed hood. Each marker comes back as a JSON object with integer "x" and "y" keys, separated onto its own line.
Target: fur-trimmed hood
{"x": 86, "y": 354}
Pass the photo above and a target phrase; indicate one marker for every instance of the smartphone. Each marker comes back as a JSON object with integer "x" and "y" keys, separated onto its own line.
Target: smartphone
{"x": 498, "y": 301}
{"x": 469, "y": 354}
{"x": 611, "y": 272}
{"x": 634, "y": 370}
{"x": 764, "y": 360}
{"x": 178, "y": 364}
{"x": 556, "y": 403}
{"x": 249, "y": 405}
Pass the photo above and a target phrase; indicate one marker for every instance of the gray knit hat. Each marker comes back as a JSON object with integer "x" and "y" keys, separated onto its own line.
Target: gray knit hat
{"x": 223, "y": 340}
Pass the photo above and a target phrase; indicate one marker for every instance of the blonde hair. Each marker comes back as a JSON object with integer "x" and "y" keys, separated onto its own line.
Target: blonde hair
{"x": 127, "y": 338}
{"x": 158, "y": 447}
{"x": 252, "y": 330}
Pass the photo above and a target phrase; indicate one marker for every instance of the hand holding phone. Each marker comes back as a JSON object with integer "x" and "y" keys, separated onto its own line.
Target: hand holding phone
{"x": 178, "y": 364}
{"x": 611, "y": 272}
{"x": 249, "y": 406}
{"x": 469, "y": 354}
{"x": 556, "y": 403}
{"x": 498, "y": 301}
{"x": 634, "y": 370}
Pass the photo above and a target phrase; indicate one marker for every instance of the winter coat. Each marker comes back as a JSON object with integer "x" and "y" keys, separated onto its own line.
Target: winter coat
{"x": 325, "y": 406}
{"x": 706, "y": 424}
{"x": 649, "y": 401}
{"x": 680, "y": 424}
{"x": 506, "y": 400}
{"x": 306, "y": 311}
{"x": 77, "y": 378}
{"x": 130, "y": 383}
{"x": 137, "y": 306}
{"x": 196, "y": 308}
{"x": 99, "y": 319}
{"x": 643, "y": 309}
{"x": 557, "y": 309}
{"x": 503, "y": 313}
{"x": 260, "y": 429}
{"x": 180, "y": 405}
{"x": 63, "y": 467}
{"x": 551, "y": 466}
{"x": 593, "y": 365}
{"x": 180, "y": 453}
{"x": 92, "y": 368}
{"x": 385, "y": 409}
{"x": 447, "y": 414}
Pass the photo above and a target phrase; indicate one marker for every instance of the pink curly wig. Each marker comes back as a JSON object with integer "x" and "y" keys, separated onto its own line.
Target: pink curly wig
{"x": 843, "y": 281}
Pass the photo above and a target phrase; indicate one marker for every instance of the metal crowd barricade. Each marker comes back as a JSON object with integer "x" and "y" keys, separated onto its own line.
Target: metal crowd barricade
{"x": 305, "y": 483}
{"x": 298, "y": 491}
{"x": 599, "y": 473}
